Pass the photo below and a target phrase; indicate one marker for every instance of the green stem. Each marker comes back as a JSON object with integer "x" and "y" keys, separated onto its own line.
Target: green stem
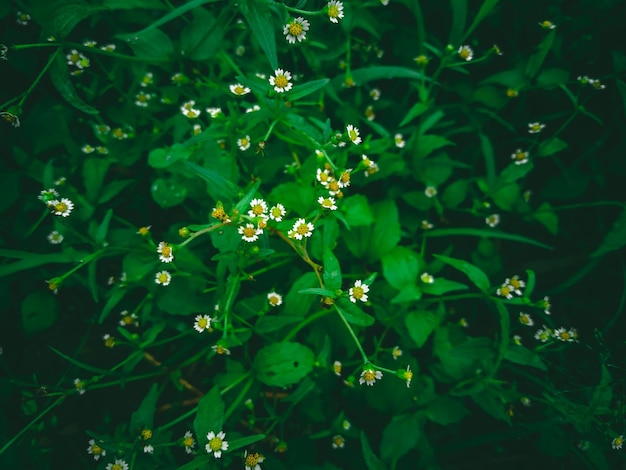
{"x": 51, "y": 59}
{"x": 58, "y": 401}
{"x": 239, "y": 398}
{"x": 305, "y": 322}
{"x": 233, "y": 289}
{"x": 351, "y": 331}
{"x": 269, "y": 131}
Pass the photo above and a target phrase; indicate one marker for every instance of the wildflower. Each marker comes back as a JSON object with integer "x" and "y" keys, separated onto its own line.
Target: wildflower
{"x": 80, "y": 386}
{"x": 10, "y": 118}
{"x": 128, "y": 319}
{"x": 147, "y": 79}
{"x": 535, "y": 127}
{"x": 327, "y": 203}
{"x": 257, "y": 207}
{"x": 142, "y": 98}
{"x": 597, "y": 84}
{"x": 564, "y": 335}
{"x": 77, "y": 59}
{"x": 546, "y": 24}
{"x": 252, "y": 461}
{"x": 239, "y": 90}
{"x": 396, "y": 352}
{"x": 118, "y": 465}
{"x": 516, "y": 283}
{"x": 375, "y": 94}
{"x": 426, "y": 225}
{"x": 525, "y": 319}
{"x": 216, "y": 443}
{"x": 465, "y": 53}
{"x": 406, "y": 375}
{"x": 240, "y": 51}
{"x": 430, "y": 191}
{"x": 492, "y": 220}
{"x": 219, "y": 349}
{"x": 148, "y": 449}
{"x": 244, "y": 143}
{"x": 358, "y": 291}
{"x": 301, "y": 229}
{"x": 520, "y": 157}
{"x": 214, "y": 112}
{"x": 517, "y": 340}
{"x": 189, "y": 442}
{"x": 189, "y": 111}
{"x": 22, "y": 18}
{"x": 249, "y": 233}
{"x": 102, "y": 129}
{"x": 338, "y": 442}
{"x": 544, "y": 334}
{"x": 337, "y": 368}
{"x": 166, "y": 254}
{"x": 421, "y": 60}
{"x": 497, "y": 50}
{"x": 163, "y": 278}
{"x": 399, "y": 141}
{"x": 102, "y": 150}
{"x": 277, "y": 212}
{"x": 618, "y": 442}
{"x": 369, "y": 376}
{"x": 427, "y": 278}
{"x": 275, "y": 299}
{"x": 512, "y": 93}
{"x": 384, "y": 2}
{"x": 353, "y": 134}
{"x": 344, "y": 179}
{"x": 109, "y": 341}
{"x": 95, "y": 450}
{"x": 505, "y": 291}
{"x": 143, "y": 231}
{"x": 369, "y": 113}
{"x": 253, "y": 109}
{"x": 281, "y": 81}
{"x": 296, "y": 29}
{"x": 335, "y": 11}
{"x": 323, "y": 176}
{"x": 63, "y": 207}
{"x": 55, "y": 238}
{"x": 197, "y": 129}
{"x": 3, "y": 52}
{"x": 48, "y": 195}
{"x": 179, "y": 79}
{"x": 525, "y": 401}
{"x": 546, "y": 305}
{"x": 463, "y": 322}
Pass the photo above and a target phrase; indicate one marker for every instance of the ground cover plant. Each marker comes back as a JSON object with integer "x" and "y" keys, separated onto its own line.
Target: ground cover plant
{"x": 312, "y": 234}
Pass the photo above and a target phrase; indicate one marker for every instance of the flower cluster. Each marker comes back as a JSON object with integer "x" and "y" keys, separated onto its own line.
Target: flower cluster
{"x": 511, "y": 286}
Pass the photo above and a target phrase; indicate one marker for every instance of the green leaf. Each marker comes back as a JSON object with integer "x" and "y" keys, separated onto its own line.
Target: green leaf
{"x": 442, "y": 286}
{"x": 420, "y": 324}
{"x": 476, "y": 275}
{"x": 103, "y": 228}
{"x": 115, "y": 296}
{"x": 39, "y": 312}
{"x": 371, "y": 459}
{"x": 424, "y": 145}
{"x": 143, "y": 418}
{"x": 61, "y": 16}
{"x": 408, "y": 293}
{"x": 552, "y": 78}
{"x": 199, "y": 463}
{"x": 455, "y": 193}
{"x": 60, "y": 77}
{"x": 163, "y": 158}
{"x": 459, "y": 17}
{"x": 332, "y": 270}
{"x": 485, "y": 9}
{"x": 244, "y": 442}
{"x": 400, "y": 436}
{"x": 353, "y": 314}
{"x": 306, "y": 89}
{"x": 514, "y": 172}
{"x": 94, "y": 173}
{"x": 132, "y": 4}
{"x": 32, "y": 260}
{"x": 297, "y": 304}
{"x": 357, "y": 211}
{"x": 491, "y": 404}
{"x": 81, "y": 365}
{"x": 416, "y": 110}
{"x": 218, "y": 187}
{"x": 267, "y": 324}
{"x": 490, "y": 161}
{"x": 283, "y": 364}
{"x": 602, "y": 396}
{"x": 525, "y": 357}
{"x": 168, "y": 192}
{"x": 210, "y": 414}
{"x": 401, "y": 267}
{"x": 615, "y": 239}
{"x": 551, "y": 146}
{"x": 138, "y": 264}
{"x": 446, "y": 410}
{"x": 294, "y": 196}
{"x": 112, "y": 189}
{"x": 202, "y": 38}
{"x": 536, "y": 60}
{"x": 317, "y": 291}
{"x": 547, "y": 217}
{"x": 452, "y": 232}
{"x": 150, "y": 44}
{"x": 259, "y": 17}
{"x": 381, "y": 72}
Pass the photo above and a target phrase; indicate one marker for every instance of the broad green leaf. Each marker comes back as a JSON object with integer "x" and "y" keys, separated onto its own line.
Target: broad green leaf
{"x": 59, "y": 17}
{"x": 530, "y": 283}
{"x": 283, "y": 364}
{"x": 306, "y": 89}
{"x": 491, "y": 404}
{"x": 416, "y": 110}
{"x": 547, "y": 217}
{"x": 39, "y": 312}
{"x": 297, "y": 304}
{"x": 536, "y": 60}
{"x": 525, "y": 357}
{"x": 513, "y": 79}
{"x": 485, "y": 9}
{"x": 112, "y": 189}
{"x": 244, "y": 442}
{"x": 60, "y": 76}
{"x": 454, "y": 232}
{"x": 202, "y": 38}
{"x": 514, "y": 172}
{"x": 352, "y": 313}
{"x": 490, "y": 161}
{"x": 371, "y": 459}
{"x": 200, "y": 462}
{"x": 294, "y": 196}
{"x": 455, "y": 193}
{"x": 332, "y": 270}
{"x": 330, "y": 233}
{"x": 243, "y": 204}
{"x": 420, "y": 324}
{"x": 401, "y": 267}
{"x": 476, "y": 275}
{"x": 103, "y": 228}
{"x": 267, "y": 324}
{"x": 408, "y": 293}
{"x": 138, "y": 264}
{"x": 31, "y": 260}
{"x": 446, "y": 410}
{"x": 424, "y": 145}
{"x": 150, "y": 44}
{"x": 168, "y": 192}
{"x": 459, "y": 17}
{"x": 380, "y": 72}
{"x": 602, "y": 396}
{"x": 94, "y": 173}
{"x": 210, "y": 414}
{"x": 552, "y": 78}
{"x": 551, "y": 146}
{"x": 132, "y": 4}
{"x": 259, "y": 17}
{"x": 435, "y": 170}
{"x": 165, "y": 157}
{"x": 400, "y": 436}
{"x": 615, "y": 239}
{"x": 317, "y": 291}
{"x": 143, "y": 418}
{"x": 218, "y": 187}
{"x": 357, "y": 211}
{"x": 115, "y": 296}
{"x": 442, "y": 286}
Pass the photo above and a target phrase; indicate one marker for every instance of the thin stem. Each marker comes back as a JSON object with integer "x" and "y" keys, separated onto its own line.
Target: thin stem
{"x": 305, "y": 322}
{"x": 353, "y": 334}
{"x": 239, "y": 398}
{"x": 51, "y": 59}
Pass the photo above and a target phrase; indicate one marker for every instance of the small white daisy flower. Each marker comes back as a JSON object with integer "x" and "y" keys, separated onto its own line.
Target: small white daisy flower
{"x": 216, "y": 444}
{"x": 335, "y": 11}
{"x": 80, "y": 386}
{"x": 189, "y": 442}
{"x": 257, "y": 207}
{"x": 358, "y": 291}
{"x": 277, "y": 212}
{"x": 296, "y": 30}
{"x": 249, "y": 233}
{"x": 244, "y": 143}
{"x": 281, "y": 81}
{"x": 239, "y": 90}
{"x": 427, "y": 278}
{"x": 274, "y": 299}
{"x": 301, "y": 229}
{"x": 399, "y": 141}
{"x": 465, "y": 53}
{"x": 119, "y": 464}
{"x": 214, "y": 112}
{"x": 353, "y": 134}
{"x": 55, "y": 238}
{"x": 163, "y": 278}
{"x": 166, "y": 253}
{"x": 493, "y": 220}
{"x": 63, "y": 207}
{"x": 338, "y": 442}
{"x": 525, "y": 319}
{"x": 430, "y": 191}
{"x": 520, "y": 157}
{"x": 327, "y": 203}
{"x": 202, "y": 322}
{"x": 535, "y": 127}
{"x": 95, "y": 450}
{"x": 369, "y": 376}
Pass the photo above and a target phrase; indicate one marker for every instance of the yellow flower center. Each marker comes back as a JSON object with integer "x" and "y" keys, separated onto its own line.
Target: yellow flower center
{"x": 273, "y": 300}
{"x": 163, "y": 277}
{"x": 524, "y": 319}
{"x": 565, "y": 335}
{"x": 96, "y": 449}
{"x": 244, "y": 142}
{"x": 464, "y": 53}
{"x": 258, "y": 209}
{"x": 166, "y": 250}
{"x": 109, "y": 342}
{"x": 353, "y": 135}
{"x": 515, "y": 283}
{"x": 369, "y": 375}
{"x": 220, "y": 350}
{"x": 202, "y": 323}
{"x": 333, "y": 11}
{"x": 218, "y": 213}
{"x": 276, "y": 212}
{"x": 357, "y": 293}
{"x": 239, "y": 90}
{"x": 127, "y": 319}
{"x": 302, "y": 229}
{"x": 338, "y": 440}
{"x": 281, "y": 81}
{"x": 249, "y": 232}
{"x": 511, "y": 93}
{"x": 295, "y": 29}
{"x": 324, "y": 177}
{"x": 408, "y": 375}
{"x": 504, "y": 291}
{"x": 337, "y": 368}
{"x": 333, "y": 186}
{"x": 146, "y": 434}
{"x": 215, "y": 444}
{"x": 188, "y": 441}
{"x": 60, "y": 207}
{"x": 345, "y": 177}
{"x": 53, "y": 285}
{"x": 144, "y": 231}
{"x": 252, "y": 459}
{"x": 117, "y": 466}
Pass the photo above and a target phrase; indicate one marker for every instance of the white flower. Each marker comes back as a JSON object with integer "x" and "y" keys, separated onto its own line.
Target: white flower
{"x": 427, "y": 278}
{"x": 543, "y": 334}
{"x": 95, "y": 450}
{"x": 618, "y": 442}
{"x": 80, "y": 386}
{"x": 189, "y": 442}
{"x": 296, "y": 29}
{"x": 525, "y": 319}
{"x": 166, "y": 254}
{"x": 148, "y": 449}
{"x": 189, "y": 111}
{"x": 63, "y": 207}
{"x": 565, "y": 335}
{"x": 399, "y": 141}
{"x": 369, "y": 376}
{"x": 274, "y": 299}
{"x": 244, "y": 143}
{"x": 277, "y": 212}
{"x": 281, "y": 81}
{"x": 327, "y": 203}
{"x": 249, "y": 233}
{"x": 252, "y": 461}
{"x": 493, "y": 220}
{"x": 375, "y": 94}
{"x": 202, "y": 322}
{"x": 254, "y": 108}
{"x": 163, "y": 278}
{"x": 338, "y": 442}
{"x": 535, "y": 127}
{"x": 301, "y": 229}
{"x": 520, "y": 157}
{"x": 119, "y": 464}
{"x": 239, "y": 89}
{"x": 216, "y": 444}
{"x": 547, "y": 24}
{"x": 430, "y": 191}
{"x": 466, "y": 53}
{"x": 257, "y": 207}
{"x": 214, "y": 112}
{"x": 323, "y": 176}
{"x": 335, "y": 11}
{"x": 353, "y": 134}
{"x": 358, "y": 291}
{"x": 55, "y": 238}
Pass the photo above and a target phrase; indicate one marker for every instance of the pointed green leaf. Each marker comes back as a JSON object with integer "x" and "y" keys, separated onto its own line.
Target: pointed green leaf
{"x": 60, "y": 76}
{"x": 210, "y": 415}
{"x": 420, "y": 324}
{"x": 352, "y": 313}
{"x": 332, "y": 270}
{"x": 371, "y": 459}
{"x": 143, "y": 418}
{"x": 300, "y": 91}
{"x": 400, "y": 436}
{"x": 401, "y": 267}
{"x": 259, "y": 16}
{"x": 525, "y": 357}
{"x": 476, "y": 275}
{"x": 551, "y": 146}
{"x": 615, "y": 239}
